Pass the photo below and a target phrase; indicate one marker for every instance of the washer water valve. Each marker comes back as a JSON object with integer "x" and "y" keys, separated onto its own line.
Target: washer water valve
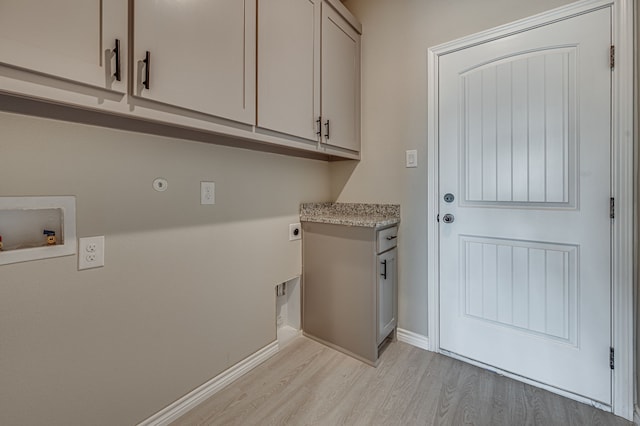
{"x": 51, "y": 237}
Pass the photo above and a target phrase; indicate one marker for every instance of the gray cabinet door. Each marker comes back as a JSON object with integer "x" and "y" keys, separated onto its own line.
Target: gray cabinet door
{"x": 387, "y": 273}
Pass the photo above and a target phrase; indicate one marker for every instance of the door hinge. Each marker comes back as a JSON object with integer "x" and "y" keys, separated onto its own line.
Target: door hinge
{"x": 612, "y": 208}
{"x": 612, "y": 56}
{"x": 611, "y": 359}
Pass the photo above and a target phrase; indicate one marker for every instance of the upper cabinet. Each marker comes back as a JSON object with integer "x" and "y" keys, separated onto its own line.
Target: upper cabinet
{"x": 284, "y": 74}
{"x": 198, "y": 55}
{"x": 309, "y": 71}
{"x": 82, "y": 41}
{"x": 289, "y": 66}
{"x": 340, "y": 81}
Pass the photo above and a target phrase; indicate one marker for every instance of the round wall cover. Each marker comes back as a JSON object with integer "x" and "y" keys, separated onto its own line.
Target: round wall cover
{"x": 160, "y": 184}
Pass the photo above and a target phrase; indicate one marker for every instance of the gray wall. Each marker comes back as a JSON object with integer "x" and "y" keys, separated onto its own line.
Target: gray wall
{"x": 187, "y": 290}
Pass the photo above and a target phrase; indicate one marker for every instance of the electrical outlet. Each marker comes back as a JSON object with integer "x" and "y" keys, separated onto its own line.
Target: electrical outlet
{"x": 90, "y": 252}
{"x": 207, "y": 193}
{"x": 295, "y": 231}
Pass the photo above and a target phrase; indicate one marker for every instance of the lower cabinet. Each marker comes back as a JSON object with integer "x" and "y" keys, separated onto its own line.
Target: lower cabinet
{"x": 349, "y": 289}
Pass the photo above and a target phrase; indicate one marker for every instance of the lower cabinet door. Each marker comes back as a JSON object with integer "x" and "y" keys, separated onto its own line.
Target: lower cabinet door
{"x": 387, "y": 277}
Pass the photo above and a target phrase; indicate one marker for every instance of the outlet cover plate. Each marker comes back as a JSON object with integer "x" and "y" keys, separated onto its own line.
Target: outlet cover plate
{"x": 207, "y": 193}
{"x": 90, "y": 252}
{"x": 295, "y": 231}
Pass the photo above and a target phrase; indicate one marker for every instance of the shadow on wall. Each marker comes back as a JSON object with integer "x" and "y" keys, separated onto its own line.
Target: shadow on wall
{"x": 111, "y": 173}
{"x": 341, "y": 172}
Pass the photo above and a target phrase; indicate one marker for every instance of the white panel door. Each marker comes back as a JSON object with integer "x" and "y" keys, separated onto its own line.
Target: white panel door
{"x": 340, "y": 81}
{"x": 69, "y": 39}
{"x": 202, "y": 55}
{"x": 524, "y": 148}
{"x": 289, "y": 66}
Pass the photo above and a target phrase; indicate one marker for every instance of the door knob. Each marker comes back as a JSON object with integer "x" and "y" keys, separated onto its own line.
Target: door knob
{"x": 448, "y": 218}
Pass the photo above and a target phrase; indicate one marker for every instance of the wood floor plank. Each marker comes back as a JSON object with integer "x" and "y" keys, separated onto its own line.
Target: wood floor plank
{"x": 307, "y": 383}
{"x": 404, "y": 385}
{"x": 428, "y": 388}
{"x": 374, "y": 389}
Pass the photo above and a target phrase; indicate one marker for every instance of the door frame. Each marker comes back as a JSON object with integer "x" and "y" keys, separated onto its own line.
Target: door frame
{"x": 623, "y": 187}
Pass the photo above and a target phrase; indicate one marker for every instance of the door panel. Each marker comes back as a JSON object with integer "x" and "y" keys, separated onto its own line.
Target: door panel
{"x": 524, "y": 285}
{"x": 206, "y": 66}
{"x": 387, "y": 277}
{"x": 524, "y": 131}
{"x": 340, "y": 81}
{"x": 79, "y": 41}
{"x": 289, "y": 94}
{"x": 516, "y": 115}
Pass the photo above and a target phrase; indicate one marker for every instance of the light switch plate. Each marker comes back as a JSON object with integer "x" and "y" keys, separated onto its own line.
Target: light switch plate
{"x": 412, "y": 158}
{"x": 90, "y": 252}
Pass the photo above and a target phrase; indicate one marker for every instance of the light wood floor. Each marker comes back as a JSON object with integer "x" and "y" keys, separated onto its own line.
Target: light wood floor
{"x": 307, "y": 383}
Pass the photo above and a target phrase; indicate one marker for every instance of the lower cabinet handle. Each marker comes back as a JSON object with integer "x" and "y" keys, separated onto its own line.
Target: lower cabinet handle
{"x": 147, "y": 63}
{"x": 384, "y": 271}
{"x": 392, "y": 237}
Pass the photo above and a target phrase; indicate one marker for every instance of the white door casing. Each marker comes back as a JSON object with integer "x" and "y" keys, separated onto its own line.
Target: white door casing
{"x": 494, "y": 191}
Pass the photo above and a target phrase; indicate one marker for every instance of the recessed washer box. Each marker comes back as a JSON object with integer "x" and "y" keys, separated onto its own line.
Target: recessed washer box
{"x": 24, "y": 225}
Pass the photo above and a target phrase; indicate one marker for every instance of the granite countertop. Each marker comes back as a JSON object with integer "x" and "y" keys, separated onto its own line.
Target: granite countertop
{"x": 351, "y": 214}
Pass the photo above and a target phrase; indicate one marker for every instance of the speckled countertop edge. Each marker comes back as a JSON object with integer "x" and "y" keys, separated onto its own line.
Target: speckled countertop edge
{"x": 351, "y": 214}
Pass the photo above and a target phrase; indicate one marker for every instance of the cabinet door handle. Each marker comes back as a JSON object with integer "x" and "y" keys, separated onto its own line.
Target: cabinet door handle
{"x": 116, "y": 52}
{"x": 147, "y": 63}
{"x": 384, "y": 271}
{"x": 319, "y": 123}
{"x": 327, "y": 132}
{"x": 392, "y": 237}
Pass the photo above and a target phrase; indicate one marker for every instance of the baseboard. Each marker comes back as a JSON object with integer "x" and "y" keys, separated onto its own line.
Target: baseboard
{"x": 195, "y": 397}
{"x": 415, "y": 339}
{"x": 636, "y": 415}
